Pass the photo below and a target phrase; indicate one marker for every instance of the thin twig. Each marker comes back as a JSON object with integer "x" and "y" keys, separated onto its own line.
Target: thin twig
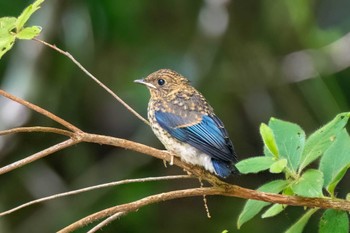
{"x": 39, "y": 155}
{"x": 37, "y": 129}
{"x": 133, "y": 206}
{"x": 40, "y": 110}
{"x": 106, "y": 222}
{"x": 77, "y": 191}
{"x": 67, "y": 54}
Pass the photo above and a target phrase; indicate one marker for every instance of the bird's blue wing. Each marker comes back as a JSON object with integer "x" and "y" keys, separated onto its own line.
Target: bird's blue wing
{"x": 208, "y": 135}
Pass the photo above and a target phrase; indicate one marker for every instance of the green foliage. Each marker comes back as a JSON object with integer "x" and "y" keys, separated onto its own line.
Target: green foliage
{"x": 255, "y": 164}
{"x": 12, "y": 28}
{"x": 300, "y": 224}
{"x": 320, "y": 141}
{"x": 253, "y": 207}
{"x": 269, "y": 139}
{"x": 286, "y": 150}
{"x": 278, "y": 166}
{"x": 334, "y": 221}
{"x": 335, "y": 161}
{"x": 290, "y": 140}
{"x": 273, "y": 210}
{"x": 309, "y": 184}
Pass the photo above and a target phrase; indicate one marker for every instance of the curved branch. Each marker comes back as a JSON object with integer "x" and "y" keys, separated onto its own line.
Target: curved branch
{"x": 40, "y": 110}
{"x": 106, "y": 222}
{"x": 39, "y": 155}
{"x": 230, "y": 190}
{"x": 90, "y": 188}
{"x": 134, "y": 206}
{"x": 38, "y": 129}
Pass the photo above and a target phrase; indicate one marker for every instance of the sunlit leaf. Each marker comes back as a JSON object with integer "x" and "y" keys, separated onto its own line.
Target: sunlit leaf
{"x": 25, "y": 15}
{"x": 278, "y": 166}
{"x": 335, "y": 161}
{"x": 309, "y": 184}
{"x": 7, "y": 39}
{"x": 300, "y": 224}
{"x": 28, "y": 33}
{"x": 320, "y": 140}
{"x": 273, "y": 211}
{"x": 334, "y": 221}
{"x": 290, "y": 139}
{"x": 254, "y": 164}
{"x": 269, "y": 139}
{"x": 253, "y": 207}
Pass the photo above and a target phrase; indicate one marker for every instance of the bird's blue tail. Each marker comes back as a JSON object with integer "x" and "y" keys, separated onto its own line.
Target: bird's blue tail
{"x": 223, "y": 169}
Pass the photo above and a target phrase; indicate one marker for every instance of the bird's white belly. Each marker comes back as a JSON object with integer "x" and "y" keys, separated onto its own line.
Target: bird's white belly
{"x": 185, "y": 151}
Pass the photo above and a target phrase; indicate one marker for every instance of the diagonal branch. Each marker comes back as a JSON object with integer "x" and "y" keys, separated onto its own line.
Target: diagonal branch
{"x": 90, "y": 188}
{"x": 67, "y": 54}
{"x": 40, "y": 110}
{"x": 38, "y": 129}
{"x": 39, "y": 155}
{"x": 106, "y": 222}
{"x": 134, "y": 206}
{"x": 229, "y": 190}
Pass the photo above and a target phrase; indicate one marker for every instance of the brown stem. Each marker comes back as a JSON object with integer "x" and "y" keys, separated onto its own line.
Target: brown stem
{"x": 40, "y": 110}
{"x": 38, "y": 155}
{"x": 134, "y": 206}
{"x": 37, "y": 129}
{"x": 229, "y": 190}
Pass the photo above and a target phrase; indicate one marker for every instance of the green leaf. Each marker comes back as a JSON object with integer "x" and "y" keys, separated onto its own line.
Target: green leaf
{"x": 290, "y": 139}
{"x": 309, "y": 184}
{"x": 269, "y": 139}
{"x": 300, "y": 224}
{"x": 278, "y": 166}
{"x": 29, "y": 33}
{"x": 267, "y": 152}
{"x": 7, "y": 24}
{"x": 335, "y": 161}
{"x": 252, "y": 207}
{"x": 320, "y": 140}
{"x": 23, "y": 18}
{"x": 7, "y": 39}
{"x": 273, "y": 211}
{"x": 254, "y": 164}
{"x": 334, "y": 221}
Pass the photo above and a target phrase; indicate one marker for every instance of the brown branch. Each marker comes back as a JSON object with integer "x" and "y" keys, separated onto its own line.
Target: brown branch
{"x": 229, "y": 190}
{"x": 39, "y": 155}
{"x": 67, "y": 54}
{"x": 40, "y": 110}
{"x": 106, "y": 222}
{"x": 134, "y": 206}
{"x": 41, "y": 129}
{"x": 90, "y": 188}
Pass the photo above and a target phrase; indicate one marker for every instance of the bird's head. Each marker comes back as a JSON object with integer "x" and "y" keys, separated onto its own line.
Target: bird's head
{"x": 164, "y": 82}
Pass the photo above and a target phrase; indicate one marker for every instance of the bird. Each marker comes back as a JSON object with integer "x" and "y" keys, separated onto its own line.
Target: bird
{"x": 186, "y": 124}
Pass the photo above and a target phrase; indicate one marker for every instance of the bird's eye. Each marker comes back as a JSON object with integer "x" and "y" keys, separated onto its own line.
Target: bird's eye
{"x": 161, "y": 82}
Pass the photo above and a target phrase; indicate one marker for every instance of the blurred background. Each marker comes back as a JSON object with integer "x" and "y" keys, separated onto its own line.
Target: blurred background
{"x": 252, "y": 59}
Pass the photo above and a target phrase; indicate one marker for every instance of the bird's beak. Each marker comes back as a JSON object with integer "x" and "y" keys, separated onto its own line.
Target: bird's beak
{"x": 142, "y": 81}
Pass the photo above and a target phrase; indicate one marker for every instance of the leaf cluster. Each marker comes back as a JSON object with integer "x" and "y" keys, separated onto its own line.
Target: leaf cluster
{"x": 12, "y": 28}
{"x": 288, "y": 151}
